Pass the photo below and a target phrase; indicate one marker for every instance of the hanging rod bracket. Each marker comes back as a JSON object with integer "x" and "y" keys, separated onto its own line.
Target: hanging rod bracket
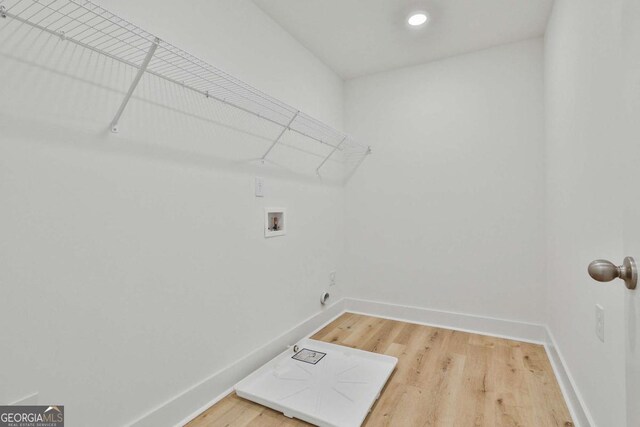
{"x": 275, "y": 142}
{"x": 143, "y": 67}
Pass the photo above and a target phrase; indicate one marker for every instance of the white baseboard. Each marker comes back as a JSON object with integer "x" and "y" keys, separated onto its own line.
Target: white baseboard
{"x": 579, "y": 412}
{"x": 190, "y": 403}
{"x": 501, "y": 328}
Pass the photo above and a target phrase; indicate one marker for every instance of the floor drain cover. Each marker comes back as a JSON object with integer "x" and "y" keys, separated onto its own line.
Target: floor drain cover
{"x": 309, "y": 356}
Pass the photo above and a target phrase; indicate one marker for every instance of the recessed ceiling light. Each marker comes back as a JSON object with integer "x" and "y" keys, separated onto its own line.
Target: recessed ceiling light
{"x": 417, "y": 19}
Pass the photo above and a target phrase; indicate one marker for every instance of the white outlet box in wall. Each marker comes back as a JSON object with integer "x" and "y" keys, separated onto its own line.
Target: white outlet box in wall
{"x": 600, "y": 322}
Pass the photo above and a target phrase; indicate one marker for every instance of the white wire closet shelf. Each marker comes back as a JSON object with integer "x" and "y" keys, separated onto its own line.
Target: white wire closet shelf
{"x": 92, "y": 27}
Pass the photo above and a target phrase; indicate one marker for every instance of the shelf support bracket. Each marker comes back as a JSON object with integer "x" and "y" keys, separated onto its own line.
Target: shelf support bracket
{"x": 280, "y": 136}
{"x": 134, "y": 84}
{"x": 336, "y": 148}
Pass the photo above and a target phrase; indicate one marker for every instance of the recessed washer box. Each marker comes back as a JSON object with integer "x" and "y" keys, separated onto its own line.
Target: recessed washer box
{"x": 275, "y": 222}
{"x": 324, "y": 384}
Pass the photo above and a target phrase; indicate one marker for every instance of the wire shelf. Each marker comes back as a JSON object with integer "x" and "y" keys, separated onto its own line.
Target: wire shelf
{"x": 88, "y": 25}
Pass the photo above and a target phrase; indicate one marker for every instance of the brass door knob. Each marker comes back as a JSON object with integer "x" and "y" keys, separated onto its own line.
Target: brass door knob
{"x": 605, "y": 271}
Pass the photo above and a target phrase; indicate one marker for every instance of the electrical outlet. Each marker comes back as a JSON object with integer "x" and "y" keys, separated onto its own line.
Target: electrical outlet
{"x": 332, "y": 278}
{"x": 259, "y": 187}
{"x": 600, "y": 322}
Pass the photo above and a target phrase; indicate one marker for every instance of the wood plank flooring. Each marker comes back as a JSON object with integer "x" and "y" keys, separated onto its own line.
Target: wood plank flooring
{"x": 443, "y": 378}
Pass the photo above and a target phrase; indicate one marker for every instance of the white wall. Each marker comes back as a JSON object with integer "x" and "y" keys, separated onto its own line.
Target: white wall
{"x": 134, "y": 266}
{"x": 449, "y": 211}
{"x": 592, "y": 177}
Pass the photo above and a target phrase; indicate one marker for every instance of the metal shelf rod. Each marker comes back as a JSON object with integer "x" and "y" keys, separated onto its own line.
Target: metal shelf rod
{"x": 61, "y": 35}
{"x": 134, "y": 84}
{"x": 132, "y": 64}
{"x": 329, "y": 155}
{"x": 281, "y": 135}
{"x": 92, "y": 27}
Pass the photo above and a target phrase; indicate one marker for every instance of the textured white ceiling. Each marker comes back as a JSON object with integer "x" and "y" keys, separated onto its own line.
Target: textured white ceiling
{"x": 358, "y": 37}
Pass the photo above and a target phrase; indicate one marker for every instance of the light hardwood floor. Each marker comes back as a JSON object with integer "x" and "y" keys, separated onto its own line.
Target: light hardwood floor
{"x": 443, "y": 378}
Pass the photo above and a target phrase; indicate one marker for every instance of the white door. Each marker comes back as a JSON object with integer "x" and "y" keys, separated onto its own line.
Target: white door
{"x": 630, "y": 65}
{"x": 632, "y": 326}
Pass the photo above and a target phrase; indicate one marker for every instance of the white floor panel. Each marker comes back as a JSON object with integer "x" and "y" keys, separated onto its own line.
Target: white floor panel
{"x": 323, "y": 384}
